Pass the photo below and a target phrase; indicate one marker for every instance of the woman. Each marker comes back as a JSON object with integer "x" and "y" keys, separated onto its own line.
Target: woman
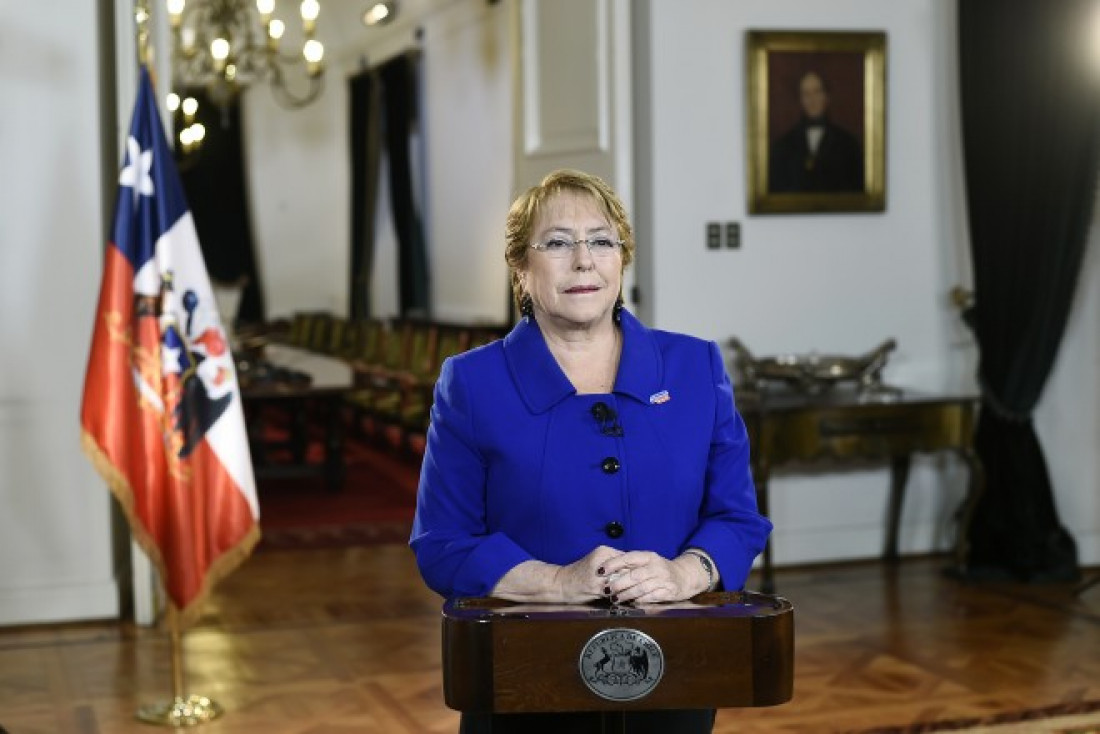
{"x": 584, "y": 456}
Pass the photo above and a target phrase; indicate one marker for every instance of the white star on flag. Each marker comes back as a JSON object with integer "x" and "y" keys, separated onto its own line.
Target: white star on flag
{"x": 136, "y": 174}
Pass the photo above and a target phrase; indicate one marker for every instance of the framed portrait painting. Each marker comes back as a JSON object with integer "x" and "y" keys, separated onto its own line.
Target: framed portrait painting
{"x": 816, "y": 127}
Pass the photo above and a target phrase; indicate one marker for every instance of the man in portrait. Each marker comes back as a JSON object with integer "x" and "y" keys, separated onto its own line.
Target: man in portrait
{"x": 816, "y": 155}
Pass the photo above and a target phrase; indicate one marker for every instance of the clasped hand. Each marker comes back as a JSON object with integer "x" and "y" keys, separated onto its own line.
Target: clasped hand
{"x": 637, "y": 577}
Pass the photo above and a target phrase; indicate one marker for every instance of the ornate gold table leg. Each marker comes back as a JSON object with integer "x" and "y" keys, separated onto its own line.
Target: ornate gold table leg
{"x": 966, "y": 511}
{"x": 899, "y": 477}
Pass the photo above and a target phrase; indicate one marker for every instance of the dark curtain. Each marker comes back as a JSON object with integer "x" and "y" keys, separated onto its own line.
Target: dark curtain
{"x": 400, "y": 92}
{"x": 1029, "y": 117}
{"x": 365, "y": 127}
{"x": 383, "y": 120}
{"x": 215, "y": 184}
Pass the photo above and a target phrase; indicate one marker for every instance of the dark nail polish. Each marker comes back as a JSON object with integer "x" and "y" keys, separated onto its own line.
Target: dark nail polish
{"x": 599, "y": 571}
{"x": 615, "y": 599}
{"x": 606, "y": 590}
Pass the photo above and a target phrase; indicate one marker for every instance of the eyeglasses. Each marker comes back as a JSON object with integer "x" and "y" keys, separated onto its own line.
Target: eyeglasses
{"x": 563, "y": 247}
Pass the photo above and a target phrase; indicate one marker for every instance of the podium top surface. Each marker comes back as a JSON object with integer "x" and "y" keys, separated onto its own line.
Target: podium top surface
{"x": 741, "y": 604}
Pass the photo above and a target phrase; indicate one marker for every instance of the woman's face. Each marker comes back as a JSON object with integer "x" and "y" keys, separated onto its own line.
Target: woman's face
{"x": 578, "y": 290}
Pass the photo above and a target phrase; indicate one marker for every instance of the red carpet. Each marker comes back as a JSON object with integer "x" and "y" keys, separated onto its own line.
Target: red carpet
{"x": 374, "y": 506}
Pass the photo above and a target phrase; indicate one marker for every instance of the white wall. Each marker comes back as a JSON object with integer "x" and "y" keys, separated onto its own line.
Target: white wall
{"x": 1068, "y": 416}
{"x": 55, "y": 543}
{"x": 468, "y": 106}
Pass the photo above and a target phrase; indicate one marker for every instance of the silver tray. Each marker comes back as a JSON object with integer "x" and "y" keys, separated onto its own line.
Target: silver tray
{"x": 812, "y": 373}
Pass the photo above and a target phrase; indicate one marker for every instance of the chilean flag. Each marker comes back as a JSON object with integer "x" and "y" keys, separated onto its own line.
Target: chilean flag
{"x": 161, "y": 418}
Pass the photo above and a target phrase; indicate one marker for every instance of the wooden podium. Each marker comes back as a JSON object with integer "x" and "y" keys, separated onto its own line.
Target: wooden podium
{"x": 721, "y": 649}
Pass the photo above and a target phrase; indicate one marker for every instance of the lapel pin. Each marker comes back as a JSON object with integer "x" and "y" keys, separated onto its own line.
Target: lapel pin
{"x": 659, "y": 397}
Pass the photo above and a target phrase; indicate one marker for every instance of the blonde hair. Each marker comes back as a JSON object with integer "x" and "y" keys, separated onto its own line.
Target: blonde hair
{"x": 526, "y": 208}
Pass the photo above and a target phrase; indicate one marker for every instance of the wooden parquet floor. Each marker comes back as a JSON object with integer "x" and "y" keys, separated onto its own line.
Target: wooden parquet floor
{"x": 342, "y": 641}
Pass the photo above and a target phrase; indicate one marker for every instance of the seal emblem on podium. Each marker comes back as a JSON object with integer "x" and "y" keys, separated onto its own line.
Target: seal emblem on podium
{"x": 621, "y": 664}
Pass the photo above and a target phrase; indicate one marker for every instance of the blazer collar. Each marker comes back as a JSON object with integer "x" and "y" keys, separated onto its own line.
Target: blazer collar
{"x": 542, "y": 384}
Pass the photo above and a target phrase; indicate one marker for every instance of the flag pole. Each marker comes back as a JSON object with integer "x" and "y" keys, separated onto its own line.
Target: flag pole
{"x": 145, "y": 442}
{"x": 178, "y": 687}
{"x": 183, "y": 710}
{"x": 141, "y": 19}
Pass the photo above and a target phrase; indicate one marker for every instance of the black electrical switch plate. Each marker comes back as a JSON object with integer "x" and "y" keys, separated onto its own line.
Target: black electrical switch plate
{"x": 733, "y": 235}
{"x": 714, "y": 235}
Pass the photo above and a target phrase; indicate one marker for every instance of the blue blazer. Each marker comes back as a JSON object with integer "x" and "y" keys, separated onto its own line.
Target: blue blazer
{"x": 517, "y": 467}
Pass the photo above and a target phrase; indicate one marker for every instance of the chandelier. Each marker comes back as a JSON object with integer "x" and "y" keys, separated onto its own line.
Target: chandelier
{"x": 226, "y": 45}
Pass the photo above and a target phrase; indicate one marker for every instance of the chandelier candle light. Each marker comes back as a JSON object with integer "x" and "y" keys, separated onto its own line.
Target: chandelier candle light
{"x": 216, "y": 44}
{"x": 192, "y": 133}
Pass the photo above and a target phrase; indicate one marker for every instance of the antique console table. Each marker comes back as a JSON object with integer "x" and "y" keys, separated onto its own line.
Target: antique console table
{"x": 787, "y": 426}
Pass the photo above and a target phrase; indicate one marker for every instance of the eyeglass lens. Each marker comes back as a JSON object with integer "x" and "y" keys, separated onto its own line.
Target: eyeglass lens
{"x": 565, "y": 247}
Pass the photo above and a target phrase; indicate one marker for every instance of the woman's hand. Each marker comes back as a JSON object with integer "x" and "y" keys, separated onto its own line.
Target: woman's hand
{"x": 535, "y": 581}
{"x": 643, "y": 577}
{"x": 581, "y": 581}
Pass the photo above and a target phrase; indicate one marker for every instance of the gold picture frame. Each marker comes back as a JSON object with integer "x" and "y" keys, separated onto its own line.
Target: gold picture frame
{"x": 816, "y": 127}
